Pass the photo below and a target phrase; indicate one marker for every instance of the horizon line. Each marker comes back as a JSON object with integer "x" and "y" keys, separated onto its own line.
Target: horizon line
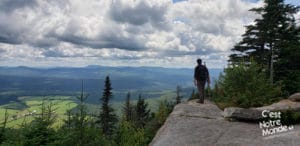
{"x": 93, "y": 65}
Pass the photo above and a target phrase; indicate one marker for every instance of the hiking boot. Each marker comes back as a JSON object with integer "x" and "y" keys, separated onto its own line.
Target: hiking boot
{"x": 199, "y": 101}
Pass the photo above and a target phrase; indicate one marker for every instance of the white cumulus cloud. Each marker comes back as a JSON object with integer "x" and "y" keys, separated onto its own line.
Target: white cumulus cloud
{"x": 121, "y": 32}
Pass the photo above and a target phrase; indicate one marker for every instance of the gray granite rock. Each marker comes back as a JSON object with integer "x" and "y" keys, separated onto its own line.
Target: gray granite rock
{"x": 255, "y": 114}
{"x": 194, "y": 124}
{"x": 295, "y": 97}
{"x": 242, "y": 114}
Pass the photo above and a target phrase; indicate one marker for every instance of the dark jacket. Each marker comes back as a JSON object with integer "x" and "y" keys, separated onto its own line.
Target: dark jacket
{"x": 201, "y": 73}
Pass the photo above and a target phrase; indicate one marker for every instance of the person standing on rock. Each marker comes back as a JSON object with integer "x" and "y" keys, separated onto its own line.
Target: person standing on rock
{"x": 201, "y": 76}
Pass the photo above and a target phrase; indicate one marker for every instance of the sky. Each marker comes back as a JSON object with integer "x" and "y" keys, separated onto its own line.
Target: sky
{"x": 161, "y": 33}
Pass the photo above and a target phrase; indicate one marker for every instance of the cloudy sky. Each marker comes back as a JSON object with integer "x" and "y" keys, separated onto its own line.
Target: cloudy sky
{"x": 121, "y": 32}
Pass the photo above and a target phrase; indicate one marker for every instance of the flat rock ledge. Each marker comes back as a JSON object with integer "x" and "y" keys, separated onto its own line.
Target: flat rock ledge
{"x": 194, "y": 124}
{"x": 255, "y": 114}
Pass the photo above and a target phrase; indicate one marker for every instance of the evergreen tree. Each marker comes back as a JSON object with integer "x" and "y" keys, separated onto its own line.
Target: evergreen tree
{"x": 164, "y": 109}
{"x": 208, "y": 92}
{"x": 74, "y": 130}
{"x": 263, "y": 40}
{"x": 107, "y": 118}
{"x": 80, "y": 119}
{"x": 39, "y": 131}
{"x": 287, "y": 68}
{"x": 218, "y": 90}
{"x": 127, "y": 109}
{"x": 178, "y": 97}
{"x": 79, "y": 128}
{"x": 246, "y": 86}
{"x": 128, "y": 135}
{"x": 68, "y": 122}
{"x": 142, "y": 113}
{"x": 3, "y": 127}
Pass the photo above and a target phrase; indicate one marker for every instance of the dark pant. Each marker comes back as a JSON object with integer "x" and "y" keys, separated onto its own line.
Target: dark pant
{"x": 201, "y": 86}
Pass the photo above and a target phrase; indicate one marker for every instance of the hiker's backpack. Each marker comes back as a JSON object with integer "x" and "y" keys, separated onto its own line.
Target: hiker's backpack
{"x": 201, "y": 73}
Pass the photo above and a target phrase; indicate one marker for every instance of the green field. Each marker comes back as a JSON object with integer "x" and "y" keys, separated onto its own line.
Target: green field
{"x": 27, "y": 107}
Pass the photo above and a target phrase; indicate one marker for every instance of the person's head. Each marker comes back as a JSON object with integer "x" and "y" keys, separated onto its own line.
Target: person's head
{"x": 199, "y": 61}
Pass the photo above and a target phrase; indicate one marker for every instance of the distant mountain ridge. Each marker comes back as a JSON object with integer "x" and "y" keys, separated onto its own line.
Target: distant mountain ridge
{"x": 16, "y": 81}
{"x": 95, "y": 71}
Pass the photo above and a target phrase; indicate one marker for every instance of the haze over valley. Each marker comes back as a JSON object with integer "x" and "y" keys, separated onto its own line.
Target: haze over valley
{"x": 149, "y": 81}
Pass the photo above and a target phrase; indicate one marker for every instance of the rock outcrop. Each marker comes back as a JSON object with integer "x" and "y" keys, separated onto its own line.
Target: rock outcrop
{"x": 295, "y": 97}
{"x": 254, "y": 114}
{"x": 194, "y": 124}
{"x": 242, "y": 114}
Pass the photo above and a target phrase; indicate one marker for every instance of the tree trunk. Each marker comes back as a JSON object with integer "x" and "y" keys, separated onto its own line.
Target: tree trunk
{"x": 271, "y": 64}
